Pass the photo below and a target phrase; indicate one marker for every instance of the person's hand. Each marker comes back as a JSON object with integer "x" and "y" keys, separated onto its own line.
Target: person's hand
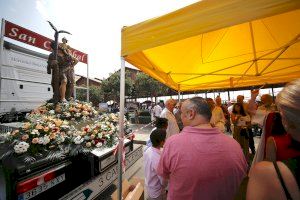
{"x": 254, "y": 93}
{"x": 238, "y": 117}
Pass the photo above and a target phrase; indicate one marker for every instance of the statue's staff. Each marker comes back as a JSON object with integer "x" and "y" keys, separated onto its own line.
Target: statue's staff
{"x": 56, "y": 38}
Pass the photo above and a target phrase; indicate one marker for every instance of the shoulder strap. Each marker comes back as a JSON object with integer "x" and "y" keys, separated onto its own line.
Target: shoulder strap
{"x": 287, "y": 194}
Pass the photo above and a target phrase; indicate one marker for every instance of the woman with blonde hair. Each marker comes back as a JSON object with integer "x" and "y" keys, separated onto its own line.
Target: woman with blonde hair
{"x": 281, "y": 180}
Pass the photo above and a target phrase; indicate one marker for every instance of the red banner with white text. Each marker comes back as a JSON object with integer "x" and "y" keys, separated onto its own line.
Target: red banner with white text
{"x": 24, "y": 35}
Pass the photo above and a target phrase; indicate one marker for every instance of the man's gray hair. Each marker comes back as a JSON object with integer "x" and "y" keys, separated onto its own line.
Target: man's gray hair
{"x": 200, "y": 106}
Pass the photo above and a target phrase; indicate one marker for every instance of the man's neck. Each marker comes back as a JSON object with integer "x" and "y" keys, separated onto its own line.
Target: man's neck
{"x": 158, "y": 148}
{"x": 205, "y": 125}
{"x": 169, "y": 109}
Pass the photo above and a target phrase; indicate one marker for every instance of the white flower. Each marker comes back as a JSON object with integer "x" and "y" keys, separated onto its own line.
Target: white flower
{"x": 67, "y": 114}
{"x": 60, "y": 139}
{"x": 46, "y": 140}
{"x": 88, "y": 144}
{"x": 78, "y": 140}
{"x": 65, "y": 122}
{"x": 41, "y": 140}
{"x": 103, "y": 127}
{"x": 51, "y": 125}
{"x": 64, "y": 126}
{"x": 21, "y": 147}
{"x": 100, "y": 135}
{"x": 85, "y": 113}
{"x": 77, "y": 114}
{"x": 35, "y": 132}
{"x": 99, "y": 144}
{"x": 51, "y": 112}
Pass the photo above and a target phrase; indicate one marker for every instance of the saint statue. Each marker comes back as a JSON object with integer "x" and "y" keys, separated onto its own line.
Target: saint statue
{"x": 52, "y": 68}
{"x": 62, "y": 71}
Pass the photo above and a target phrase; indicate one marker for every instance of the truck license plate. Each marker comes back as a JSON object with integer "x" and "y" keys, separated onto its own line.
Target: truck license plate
{"x": 42, "y": 188}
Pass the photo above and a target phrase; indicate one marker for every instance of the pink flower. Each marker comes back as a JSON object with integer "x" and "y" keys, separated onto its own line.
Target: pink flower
{"x": 55, "y": 129}
{"x": 25, "y": 137}
{"x": 39, "y": 127}
{"x": 35, "y": 140}
{"x": 52, "y": 136}
{"x": 46, "y": 129}
{"x": 93, "y": 137}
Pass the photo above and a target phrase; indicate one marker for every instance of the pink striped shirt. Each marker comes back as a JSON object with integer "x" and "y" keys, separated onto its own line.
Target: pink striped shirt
{"x": 202, "y": 164}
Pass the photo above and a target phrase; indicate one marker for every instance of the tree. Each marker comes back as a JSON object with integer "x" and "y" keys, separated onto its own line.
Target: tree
{"x": 146, "y": 86}
{"x": 95, "y": 95}
{"x": 110, "y": 88}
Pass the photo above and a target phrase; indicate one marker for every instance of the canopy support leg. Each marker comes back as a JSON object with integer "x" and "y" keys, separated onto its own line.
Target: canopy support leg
{"x": 273, "y": 93}
{"x": 1, "y": 45}
{"x": 228, "y": 93}
{"x": 87, "y": 83}
{"x": 121, "y": 127}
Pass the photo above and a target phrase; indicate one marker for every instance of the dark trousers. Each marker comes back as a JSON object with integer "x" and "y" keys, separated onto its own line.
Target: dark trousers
{"x": 251, "y": 141}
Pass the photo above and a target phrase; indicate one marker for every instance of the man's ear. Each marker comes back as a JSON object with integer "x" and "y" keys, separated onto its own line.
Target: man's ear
{"x": 191, "y": 114}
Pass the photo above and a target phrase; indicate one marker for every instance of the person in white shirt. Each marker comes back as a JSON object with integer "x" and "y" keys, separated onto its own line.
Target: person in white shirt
{"x": 217, "y": 118}
{"x": 258, "y": 115}
{"x": 157, "y": 109}
{"x": 168, "y": 114}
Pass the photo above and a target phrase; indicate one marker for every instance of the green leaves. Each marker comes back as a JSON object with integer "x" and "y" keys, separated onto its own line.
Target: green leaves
{"x": 146, "y": 86}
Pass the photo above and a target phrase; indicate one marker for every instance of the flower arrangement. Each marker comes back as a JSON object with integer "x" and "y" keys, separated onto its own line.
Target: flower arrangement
{"x": 72, "y": 110}
{"x": 66, "y": 127}
{"x": 42, "y": 134}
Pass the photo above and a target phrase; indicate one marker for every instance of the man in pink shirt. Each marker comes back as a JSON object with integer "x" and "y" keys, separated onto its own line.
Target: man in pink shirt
{"x": 201, "y": 162}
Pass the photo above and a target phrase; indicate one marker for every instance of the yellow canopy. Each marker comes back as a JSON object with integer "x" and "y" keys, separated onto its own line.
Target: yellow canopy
{"x": 219, "y": 44}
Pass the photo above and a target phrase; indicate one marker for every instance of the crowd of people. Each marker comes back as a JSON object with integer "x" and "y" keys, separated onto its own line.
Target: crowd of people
{"x": 190, "y": 157}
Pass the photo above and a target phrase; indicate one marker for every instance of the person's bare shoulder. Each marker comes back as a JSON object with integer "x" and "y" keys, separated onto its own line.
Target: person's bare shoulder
{"x": 264, "y": 182}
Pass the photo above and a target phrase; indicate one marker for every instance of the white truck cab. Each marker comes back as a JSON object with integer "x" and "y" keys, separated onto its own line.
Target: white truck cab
{"x": 24, "y": 82}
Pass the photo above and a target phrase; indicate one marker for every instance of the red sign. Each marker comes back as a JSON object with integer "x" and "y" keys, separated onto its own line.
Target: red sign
{"x": 24, "y": 35}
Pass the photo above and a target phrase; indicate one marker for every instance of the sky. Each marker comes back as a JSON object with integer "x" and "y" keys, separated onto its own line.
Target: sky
{"x": 95, "y": 25}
